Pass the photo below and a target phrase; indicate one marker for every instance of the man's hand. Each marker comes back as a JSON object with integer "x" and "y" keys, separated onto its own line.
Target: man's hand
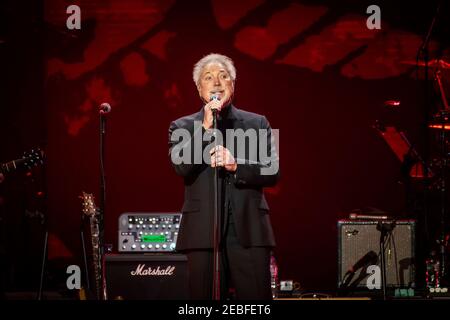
{"x": 221, "y": 157}
{"x": 208, "y": 115}
{"x": 2, "y": 177}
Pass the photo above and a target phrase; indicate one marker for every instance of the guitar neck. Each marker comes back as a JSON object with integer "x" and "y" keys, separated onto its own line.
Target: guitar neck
{"x": 11, "y": 165}
{"x": 97, "y": 254}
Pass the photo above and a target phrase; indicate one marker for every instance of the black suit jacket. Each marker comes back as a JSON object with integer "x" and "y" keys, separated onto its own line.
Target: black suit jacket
{"x": 249, "y": 206}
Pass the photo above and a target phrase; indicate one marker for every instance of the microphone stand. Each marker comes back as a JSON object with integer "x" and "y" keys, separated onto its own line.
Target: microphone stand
{"x": 424, "y": 50}
{"x": 44, "y": 223}
{"x": 443, "y": 194}
{"x": 101, "y": 212}
{"x": 44, "y": 260}
{"x": 385, "y": 228}
{"x": 216, "y": 230}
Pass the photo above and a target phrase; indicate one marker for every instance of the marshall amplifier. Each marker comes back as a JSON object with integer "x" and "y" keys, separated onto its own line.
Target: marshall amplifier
{"x": 359, "y": 247}
{"x": 146, "y": 276}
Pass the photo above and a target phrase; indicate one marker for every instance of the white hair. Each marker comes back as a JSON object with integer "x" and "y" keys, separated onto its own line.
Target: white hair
{"x": 213, "y": 58}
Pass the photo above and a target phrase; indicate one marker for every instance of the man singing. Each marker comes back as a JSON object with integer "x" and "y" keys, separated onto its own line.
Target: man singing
{"x": 243, "y": 151}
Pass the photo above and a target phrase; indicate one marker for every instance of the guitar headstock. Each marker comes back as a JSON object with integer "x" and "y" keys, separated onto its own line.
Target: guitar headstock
{"x": 33, "y": 158}
{"x": 89, "y": 207}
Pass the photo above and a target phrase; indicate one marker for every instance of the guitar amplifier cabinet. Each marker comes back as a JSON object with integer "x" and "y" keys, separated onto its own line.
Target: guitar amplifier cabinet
{"x": 146, "y": 276}
{"x": 359, "y": 247}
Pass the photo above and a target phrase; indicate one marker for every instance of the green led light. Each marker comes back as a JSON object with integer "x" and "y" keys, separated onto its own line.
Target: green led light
{"x": 153, "y": 238}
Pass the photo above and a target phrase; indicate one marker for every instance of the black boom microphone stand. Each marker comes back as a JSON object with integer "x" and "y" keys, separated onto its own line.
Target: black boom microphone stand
{"x": 385, "y": 228}
{"x": 105, "y": 108}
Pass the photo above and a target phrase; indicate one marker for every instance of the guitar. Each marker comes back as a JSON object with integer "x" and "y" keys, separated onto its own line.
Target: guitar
{"x": 30, "y": 159}
{"x": 91, "y": 211}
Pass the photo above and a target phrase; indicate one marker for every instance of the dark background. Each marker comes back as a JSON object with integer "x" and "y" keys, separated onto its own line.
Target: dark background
{"x": 312, "y": 67}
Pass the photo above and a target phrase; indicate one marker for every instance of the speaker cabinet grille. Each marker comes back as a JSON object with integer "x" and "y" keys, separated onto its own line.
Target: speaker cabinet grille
{"x": 146, "y": 276}
{"x": 359, "y": 247}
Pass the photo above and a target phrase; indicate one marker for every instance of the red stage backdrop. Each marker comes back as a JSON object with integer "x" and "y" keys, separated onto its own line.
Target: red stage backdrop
{"x": 313, "y": 68}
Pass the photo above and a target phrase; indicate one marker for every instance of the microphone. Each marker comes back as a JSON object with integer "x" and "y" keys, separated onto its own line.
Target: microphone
{"x": 355, "y": 216}
{"x": 214, "y": 97}
{"x": 104, "y": 108}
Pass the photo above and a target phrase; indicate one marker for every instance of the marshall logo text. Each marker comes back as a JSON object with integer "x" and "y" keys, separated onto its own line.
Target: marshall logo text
{"x": 141, "y": 270}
